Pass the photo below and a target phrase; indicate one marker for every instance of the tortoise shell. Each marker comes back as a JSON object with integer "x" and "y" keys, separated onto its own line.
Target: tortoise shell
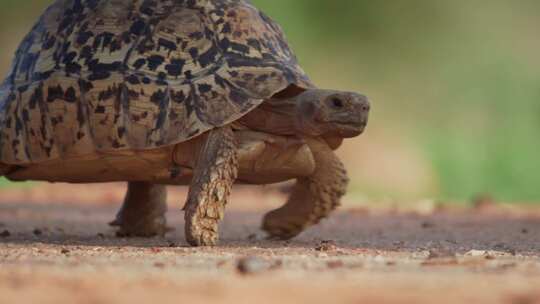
{"x": 106, "y": 75}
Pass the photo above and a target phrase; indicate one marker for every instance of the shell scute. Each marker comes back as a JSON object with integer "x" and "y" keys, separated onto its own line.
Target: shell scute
{"x": 100, "y": 75}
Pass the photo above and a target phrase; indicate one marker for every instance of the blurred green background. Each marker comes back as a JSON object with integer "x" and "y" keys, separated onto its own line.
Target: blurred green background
{"x": 455, "y": 88}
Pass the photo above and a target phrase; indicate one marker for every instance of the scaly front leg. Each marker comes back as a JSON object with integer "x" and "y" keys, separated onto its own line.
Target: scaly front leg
{"x": 215, "y": 171}
{"x": 313, "y": 198}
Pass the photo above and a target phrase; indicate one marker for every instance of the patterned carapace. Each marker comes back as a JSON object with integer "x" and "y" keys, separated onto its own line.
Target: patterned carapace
{"x": 102, "y": 75}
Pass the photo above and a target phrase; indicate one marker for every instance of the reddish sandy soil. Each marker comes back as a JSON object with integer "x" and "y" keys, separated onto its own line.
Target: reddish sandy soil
{"x": 56, "y": 247}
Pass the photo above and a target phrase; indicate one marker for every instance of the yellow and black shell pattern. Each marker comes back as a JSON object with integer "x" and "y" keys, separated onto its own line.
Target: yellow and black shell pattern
{"x": 104, "y": 75}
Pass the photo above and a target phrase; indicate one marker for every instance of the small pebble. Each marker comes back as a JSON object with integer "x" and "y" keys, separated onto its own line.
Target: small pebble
{"x": 159, "y": 265}
{"x": 251, "y": 265}
{"x": 476, "y": 253}
{"x": 64, "y": 251}
{"x": 441, "y": 253}
{"x": 326, "y": 245}
{"x": 5, "y": 233}
{"x": 490, "y": 257}
{"x": 428, "y": 225}
{"x": 335, "y": 264}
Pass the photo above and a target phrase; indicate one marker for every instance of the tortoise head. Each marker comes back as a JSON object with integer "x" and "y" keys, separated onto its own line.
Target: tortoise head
{"x": 331, "y": 113}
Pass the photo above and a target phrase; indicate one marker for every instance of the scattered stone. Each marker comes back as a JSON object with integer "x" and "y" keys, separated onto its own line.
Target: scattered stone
{"x": 322, "y": 255}
{"x": 37, "y": 231}
{"x": 399, "y": 244}
{"x": 155, "y": 250}
{"x": 326, "y": 245}
{"x": 440, "y": 257}
{"x": 441, "y": 253}
{"x": 335, "y": 264}
{"x": 5, "y": 233}
{"x": 64, "y": 251}
{"x": 476, "y": 253}
{"x": 505, "y": 248}
{"x": 490, "y": 257}
{"x": 251, "y": 265}
{"x": 479, "y": 255}
{"x": 159, "y": 265}
{"x": 428, "y": 225}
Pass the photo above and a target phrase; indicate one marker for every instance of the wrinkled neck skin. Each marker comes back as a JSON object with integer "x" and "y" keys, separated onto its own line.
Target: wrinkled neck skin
{"x": 294, "y": 111}
{"x": 273, "y": 116}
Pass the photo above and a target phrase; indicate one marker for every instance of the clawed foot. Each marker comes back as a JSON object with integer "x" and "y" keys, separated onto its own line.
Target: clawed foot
{"x": 202, "y": 224}
{"x": 280, "y": 227}
{"x": 142, "y": 227}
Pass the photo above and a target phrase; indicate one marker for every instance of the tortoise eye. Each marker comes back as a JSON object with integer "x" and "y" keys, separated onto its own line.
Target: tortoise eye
{"x": 337, "y": 103}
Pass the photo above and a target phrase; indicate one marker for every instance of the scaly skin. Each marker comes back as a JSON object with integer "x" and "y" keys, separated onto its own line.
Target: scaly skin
{"x": 313, "y": 198}
{"x": 143, "y": 211}
{"x": 215, "y": 172}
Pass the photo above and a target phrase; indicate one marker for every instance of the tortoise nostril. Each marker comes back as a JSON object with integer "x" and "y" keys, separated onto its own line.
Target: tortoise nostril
{"x": 366, "y": 108}
{"x": 337, "y": 103}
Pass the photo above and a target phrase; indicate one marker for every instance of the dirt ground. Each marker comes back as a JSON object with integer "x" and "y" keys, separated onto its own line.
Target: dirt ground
{"x": 56, "y": 247}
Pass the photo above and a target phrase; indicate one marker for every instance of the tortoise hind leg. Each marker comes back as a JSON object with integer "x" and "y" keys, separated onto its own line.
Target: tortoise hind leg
{"x": 215, "y": 171}
{"x": 143, "y": 211}
{"x": 313, "y": 198}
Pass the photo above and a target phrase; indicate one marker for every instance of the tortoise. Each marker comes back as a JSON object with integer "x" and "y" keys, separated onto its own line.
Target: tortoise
{"x": 205, "y": 93}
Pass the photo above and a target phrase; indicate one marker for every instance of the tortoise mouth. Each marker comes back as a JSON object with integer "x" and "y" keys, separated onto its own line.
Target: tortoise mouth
{"x": 348, "y": 129}
{"x": 352, "y": 122}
